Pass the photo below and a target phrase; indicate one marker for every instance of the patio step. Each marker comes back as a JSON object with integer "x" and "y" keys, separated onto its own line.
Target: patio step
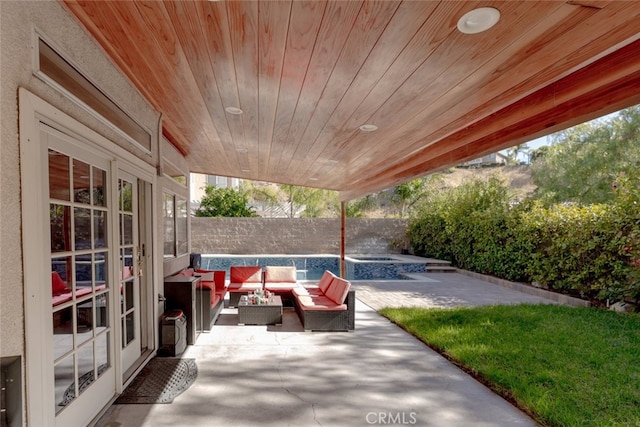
{"x": 439, "y": 266}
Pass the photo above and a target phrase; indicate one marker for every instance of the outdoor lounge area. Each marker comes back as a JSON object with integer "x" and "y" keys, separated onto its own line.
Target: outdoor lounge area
{"x": 328, "y": 305}
{"x": 278, "y": 375}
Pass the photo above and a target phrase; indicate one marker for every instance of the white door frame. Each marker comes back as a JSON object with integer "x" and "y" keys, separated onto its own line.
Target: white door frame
{"x": 36, "y": 255}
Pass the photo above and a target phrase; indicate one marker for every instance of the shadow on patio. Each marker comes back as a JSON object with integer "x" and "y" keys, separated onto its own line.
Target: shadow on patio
{"x": 281, "y": 375}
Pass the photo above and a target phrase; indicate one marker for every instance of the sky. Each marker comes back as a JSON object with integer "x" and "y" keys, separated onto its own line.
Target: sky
{"x": 537, "y": 143}
{"x": 533, "y": 145}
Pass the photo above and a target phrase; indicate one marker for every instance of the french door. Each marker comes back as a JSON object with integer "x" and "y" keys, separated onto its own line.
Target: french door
{"x": 130, "y": 254}
{"x": 82, "y": 289}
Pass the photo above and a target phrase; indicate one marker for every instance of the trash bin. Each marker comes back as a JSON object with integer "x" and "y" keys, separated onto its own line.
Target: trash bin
{"x": 173, "y": 338}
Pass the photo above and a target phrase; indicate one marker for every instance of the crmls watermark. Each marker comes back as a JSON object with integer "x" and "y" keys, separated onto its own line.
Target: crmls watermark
{"x": 391, "y": 418}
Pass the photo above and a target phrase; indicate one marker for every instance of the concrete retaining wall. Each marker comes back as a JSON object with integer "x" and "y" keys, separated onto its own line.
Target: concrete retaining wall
{"x": 294, "y": 236}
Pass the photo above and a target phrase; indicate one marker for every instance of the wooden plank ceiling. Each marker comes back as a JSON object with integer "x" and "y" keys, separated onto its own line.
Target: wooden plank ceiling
{"x": 308, "y": 74}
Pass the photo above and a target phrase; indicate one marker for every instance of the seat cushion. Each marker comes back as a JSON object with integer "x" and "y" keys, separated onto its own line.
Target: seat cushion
{"x": 245, "y": 274}
{"x": 319, "y": 303}
{"x": 313, "y": 290}
{"x": 61, "y": 298}
{"x": 281, "y": 286}
{"x": 280, "y": 274}
{"x": 244, "y": 287}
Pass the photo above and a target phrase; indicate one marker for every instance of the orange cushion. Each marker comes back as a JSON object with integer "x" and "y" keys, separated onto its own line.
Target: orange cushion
{"x": 246, "y": 274}
{"x": 280, "y": 274}
{"x": 338, "y": 290}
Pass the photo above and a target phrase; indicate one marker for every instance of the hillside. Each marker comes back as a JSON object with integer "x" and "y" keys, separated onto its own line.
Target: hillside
{"x": 517, "y": 177}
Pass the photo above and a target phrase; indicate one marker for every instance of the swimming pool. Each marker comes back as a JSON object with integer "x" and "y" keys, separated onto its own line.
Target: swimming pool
{"x": 311, "y": 267}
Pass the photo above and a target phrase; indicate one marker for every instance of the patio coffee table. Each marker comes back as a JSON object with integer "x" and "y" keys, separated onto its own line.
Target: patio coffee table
{"x": 267, "y": 313}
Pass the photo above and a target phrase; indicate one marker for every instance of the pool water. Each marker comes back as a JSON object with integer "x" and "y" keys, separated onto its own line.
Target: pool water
{"x": 310, "y": 267}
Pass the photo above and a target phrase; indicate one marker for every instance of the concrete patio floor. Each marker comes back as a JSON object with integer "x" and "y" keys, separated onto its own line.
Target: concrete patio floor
{"x": 375, "y": 375}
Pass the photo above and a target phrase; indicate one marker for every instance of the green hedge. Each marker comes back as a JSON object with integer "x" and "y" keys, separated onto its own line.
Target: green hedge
{"x": 587, "y": 251}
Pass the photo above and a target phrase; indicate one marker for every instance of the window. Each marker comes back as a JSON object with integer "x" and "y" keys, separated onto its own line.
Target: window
{"x": 175, "y": 226}
{"x": 173, "y": 173}
{"x": 57, "y": 71}
{"x": 169, "y": 227}
{"x": 181, "y": 226}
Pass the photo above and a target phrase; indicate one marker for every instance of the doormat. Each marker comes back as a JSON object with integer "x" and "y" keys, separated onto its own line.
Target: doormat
{"x": 84, "y": 381}
{"x": 161, "y": 381}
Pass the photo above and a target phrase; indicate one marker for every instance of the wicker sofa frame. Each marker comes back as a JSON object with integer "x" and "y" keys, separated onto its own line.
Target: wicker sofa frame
{"x": 207, "y": 314}
{"x": 328, "y": 320}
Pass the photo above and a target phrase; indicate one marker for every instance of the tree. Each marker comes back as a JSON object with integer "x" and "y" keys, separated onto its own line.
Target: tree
{"x": 357, "y": 207}
{"x": 514, "y": 153}
{"x": 304, "y": 201}
{"x": 406, "y": 195}
{"x": 538, "y": 153}
{"x": 265, "y": 197}
{"x": 224, "y": 202}
{"x": 584, "y": 162}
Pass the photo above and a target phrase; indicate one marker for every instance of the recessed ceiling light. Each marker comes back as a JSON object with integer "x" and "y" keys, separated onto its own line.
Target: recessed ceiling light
{"x": 233, "y": 110}
{"x": 332, "y": 162}
{"x": 245, "y": 170}
{"x": 478, "y": 20}
{"x": 241, "y": 150}
{"x": 313, "y": 178}
{"x": 368, "y": 128}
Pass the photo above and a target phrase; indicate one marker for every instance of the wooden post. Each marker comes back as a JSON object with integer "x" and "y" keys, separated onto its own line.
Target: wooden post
{"x": 343, "y": 272}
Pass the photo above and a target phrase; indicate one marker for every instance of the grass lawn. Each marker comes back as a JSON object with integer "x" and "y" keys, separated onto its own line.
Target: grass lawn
{"x": 564, "y": 366}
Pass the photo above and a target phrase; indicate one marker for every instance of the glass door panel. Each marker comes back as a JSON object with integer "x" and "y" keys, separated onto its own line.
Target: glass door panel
{"x": 129, "y": 273}
{"x": 78, "y": 218}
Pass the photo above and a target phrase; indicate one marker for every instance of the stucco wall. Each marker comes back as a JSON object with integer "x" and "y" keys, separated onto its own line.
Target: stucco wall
{"x": 293, "y": 236}
{"x": 18, "y": 21}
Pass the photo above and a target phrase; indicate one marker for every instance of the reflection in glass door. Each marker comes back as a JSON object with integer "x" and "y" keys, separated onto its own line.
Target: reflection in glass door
{"x": 130, "y": 258}
{"x": 80, "y": 291}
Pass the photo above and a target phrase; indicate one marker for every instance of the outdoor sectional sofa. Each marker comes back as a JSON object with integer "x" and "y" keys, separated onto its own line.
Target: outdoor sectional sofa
{"x": 210, "y": 295}
{"x": 329, "y": 306}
